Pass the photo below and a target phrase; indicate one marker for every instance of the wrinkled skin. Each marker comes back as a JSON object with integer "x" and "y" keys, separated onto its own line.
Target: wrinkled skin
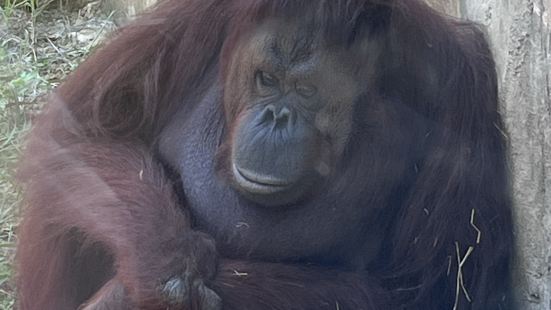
{"x": 287, "y": 121}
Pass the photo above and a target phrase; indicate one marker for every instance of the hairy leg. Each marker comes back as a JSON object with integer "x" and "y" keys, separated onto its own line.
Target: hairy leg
{"x": 112, "y": 296}
{"x": 114, "y": 195}
{"x": 247, "y": 285}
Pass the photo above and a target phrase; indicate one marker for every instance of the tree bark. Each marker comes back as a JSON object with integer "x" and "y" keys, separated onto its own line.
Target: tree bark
{"x": 127, "y": 8}
{"x": 520, "y": 32}
{"x": 450, "y": 7}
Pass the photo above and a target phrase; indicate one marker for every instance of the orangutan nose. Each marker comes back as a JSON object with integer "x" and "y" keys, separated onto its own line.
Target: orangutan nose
{"x": 277, "y": 118}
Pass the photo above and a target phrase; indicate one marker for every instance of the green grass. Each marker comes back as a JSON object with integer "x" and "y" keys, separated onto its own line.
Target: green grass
{"x": 39, "y": 45}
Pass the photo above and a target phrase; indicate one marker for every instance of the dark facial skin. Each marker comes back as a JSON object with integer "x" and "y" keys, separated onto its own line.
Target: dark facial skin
{"x": 280, "y": 172}
{"x": 289, "y": 99}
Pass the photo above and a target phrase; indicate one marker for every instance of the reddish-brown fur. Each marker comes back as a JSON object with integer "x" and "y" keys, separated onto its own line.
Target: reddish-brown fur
{"x": 99, "y": 205}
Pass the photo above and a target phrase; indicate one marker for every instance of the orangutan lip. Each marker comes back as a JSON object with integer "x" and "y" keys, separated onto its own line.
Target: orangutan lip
{"x": 258, "y": 184}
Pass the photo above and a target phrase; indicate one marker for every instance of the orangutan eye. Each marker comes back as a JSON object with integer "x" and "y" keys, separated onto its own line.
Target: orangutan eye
{"x": 265, "y": 79}
{"x": 306, "y": 90}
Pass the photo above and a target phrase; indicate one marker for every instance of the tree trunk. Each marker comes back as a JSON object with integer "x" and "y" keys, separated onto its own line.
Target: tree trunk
{"x": 520, "y": 32}
{"x": 127, "y": 8}
{"x": 450, "y": 7}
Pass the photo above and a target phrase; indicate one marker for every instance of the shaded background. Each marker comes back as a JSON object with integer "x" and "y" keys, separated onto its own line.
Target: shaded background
{"x": 520, "y": 34}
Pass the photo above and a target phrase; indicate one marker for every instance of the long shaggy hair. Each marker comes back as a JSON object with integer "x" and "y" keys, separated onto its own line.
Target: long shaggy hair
{"x": 94, "y": 188}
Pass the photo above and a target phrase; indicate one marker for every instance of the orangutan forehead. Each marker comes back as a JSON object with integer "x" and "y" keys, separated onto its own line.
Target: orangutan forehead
{"x": 285, "y": 41}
